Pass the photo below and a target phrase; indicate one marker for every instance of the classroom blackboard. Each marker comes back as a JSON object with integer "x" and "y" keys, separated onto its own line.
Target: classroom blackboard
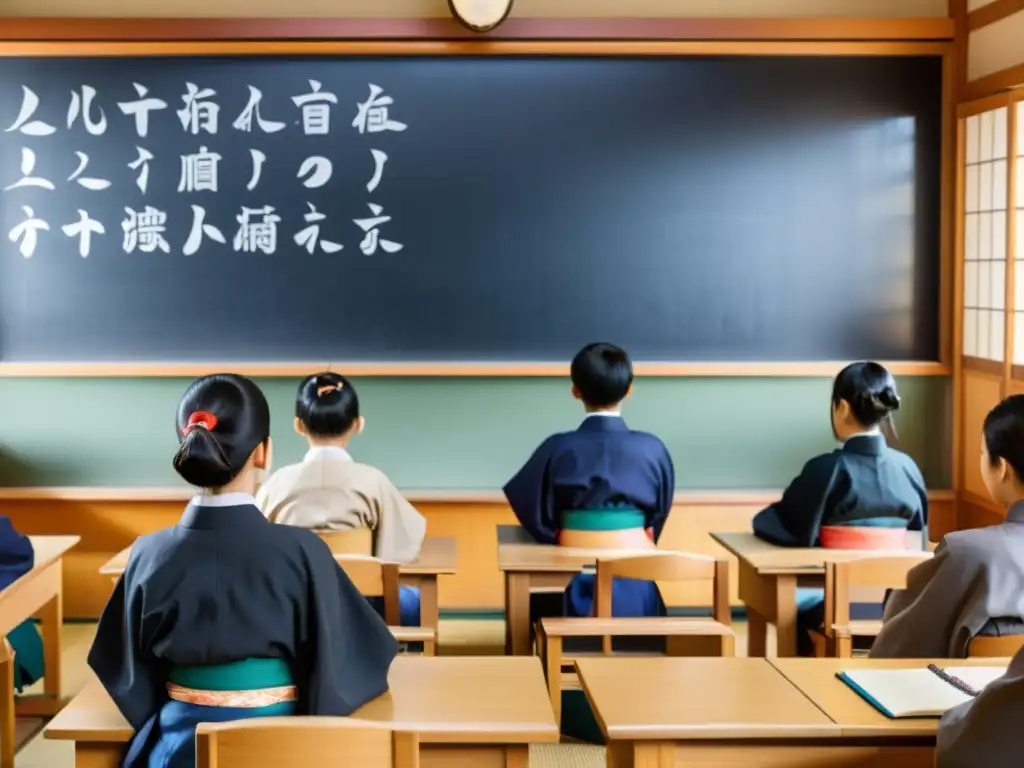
{"x": 469, "y": 208}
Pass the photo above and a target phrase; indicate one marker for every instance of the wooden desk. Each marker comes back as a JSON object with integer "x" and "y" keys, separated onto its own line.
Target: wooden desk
{"x": 437, "y": 557}
{"x": 769, "y": 576}
{"x": 527, "y": 566}
{"x": 39, "y": 593}
{"x": 816, "y": 678}
{"x": 479, "y": 711}
{"x": 704, "y": 713}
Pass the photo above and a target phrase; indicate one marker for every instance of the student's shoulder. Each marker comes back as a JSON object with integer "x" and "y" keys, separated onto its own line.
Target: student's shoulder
{"x": 904, "y": 460}
{"x": 648, "y": 440}
{"x": 286, "y": 475}
{"x": 302, "y": 543}
{"x": 823, "y": 463}
{"x": 969, "y": 545}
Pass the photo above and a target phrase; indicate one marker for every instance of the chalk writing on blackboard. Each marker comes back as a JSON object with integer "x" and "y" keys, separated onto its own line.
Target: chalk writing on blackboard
{"x": 147, "y": 228}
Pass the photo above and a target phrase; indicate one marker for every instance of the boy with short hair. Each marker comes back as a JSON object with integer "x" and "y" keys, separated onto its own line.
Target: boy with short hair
{"x": 602, "y": 485}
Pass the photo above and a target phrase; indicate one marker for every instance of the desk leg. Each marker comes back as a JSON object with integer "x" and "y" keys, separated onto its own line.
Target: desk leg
{"x": 757, "y": 635}
{"x": 640, "y": 754}
{"x": 52, "y": 617}
{"x": 517, "y": 614}
{"x": 785, "y": 616}
{"x": 93, "y": 755}
{"x": 430, "y": 613}
{"x": 517, "y": 756}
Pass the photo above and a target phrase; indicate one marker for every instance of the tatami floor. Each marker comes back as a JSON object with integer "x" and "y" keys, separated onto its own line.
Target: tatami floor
{"x": 457, "y": 637}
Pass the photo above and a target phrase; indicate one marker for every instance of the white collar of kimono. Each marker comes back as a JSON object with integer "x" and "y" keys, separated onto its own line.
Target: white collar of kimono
{"x": 327, "y": 452}
{"x": 224, "y": 500}
{"x": 611, "y": 414}
{"x": 872, "y": 433}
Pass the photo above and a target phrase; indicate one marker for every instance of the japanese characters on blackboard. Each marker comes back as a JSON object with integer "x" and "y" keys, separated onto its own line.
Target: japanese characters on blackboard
{"x": 146, "y": 228}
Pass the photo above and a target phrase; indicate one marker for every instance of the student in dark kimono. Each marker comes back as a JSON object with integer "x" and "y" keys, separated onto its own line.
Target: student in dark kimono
{"x": 864, "y": 495}
{"x": 17, "y": 559}
{"x": 986, "y": 732}
{"x": 328, "y": 490}
{"x": 225, "y": 616}
{"x": 603, "y": 485}
{"x": 975, "y": 583}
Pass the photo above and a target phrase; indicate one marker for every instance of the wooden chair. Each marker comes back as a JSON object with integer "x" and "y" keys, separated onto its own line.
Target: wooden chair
{"x": 375, "y": 578}
{"x": 275, "y": 741}
{"x": 7, "y": 713}
{"x": 352, "y": 541}
{"x": 700, "y": 637}
{"x": 995, "y": 647}
{"x": 843, "y": 580}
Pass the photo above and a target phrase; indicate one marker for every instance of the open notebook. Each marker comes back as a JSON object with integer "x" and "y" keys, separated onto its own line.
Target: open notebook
{"x": 920, "y": 692}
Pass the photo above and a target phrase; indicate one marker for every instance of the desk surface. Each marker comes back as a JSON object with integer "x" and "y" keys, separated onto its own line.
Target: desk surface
{"x": 49, "y": 548}
{"x": 816, "y": 678}
{"x": 446, "y": 699}
{"x": 438, "y": 556}
{"x": 518, "y": 551}
{"x": 769, "y": 558}
{"x": 698, "y": 699}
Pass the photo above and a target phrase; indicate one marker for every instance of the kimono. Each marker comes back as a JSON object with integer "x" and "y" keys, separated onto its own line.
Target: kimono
{"x": 226, "y": 617}
{"x": 603, "y": 476}
{"x": 864, "y": 483}
{"x": 973, "y": 586}
{"x": 17, "y": 559}
{"x": 986, "y": 731}
{"x": 330, "y": 491}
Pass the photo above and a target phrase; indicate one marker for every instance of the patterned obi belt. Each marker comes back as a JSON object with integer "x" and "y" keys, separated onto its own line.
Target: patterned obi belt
{"x": 871, "y": 533}
{"x": 247, "y": 684}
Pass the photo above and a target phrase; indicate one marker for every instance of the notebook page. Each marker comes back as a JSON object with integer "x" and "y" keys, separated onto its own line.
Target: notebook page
{"x": 908, "y": 692}
{"x": 976, "y": 677}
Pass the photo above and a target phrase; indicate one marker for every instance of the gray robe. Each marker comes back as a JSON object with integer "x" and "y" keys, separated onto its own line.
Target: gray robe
{"x": 986, "y": 732}
{"x": 975, "y": 579}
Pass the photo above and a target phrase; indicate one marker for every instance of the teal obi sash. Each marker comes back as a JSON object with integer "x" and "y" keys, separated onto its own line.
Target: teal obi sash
{"x": 245, "y": 675}
{"x": 874, "y": 522}
{"x": 610, "y": 519}
{"x": 28, "y": 654}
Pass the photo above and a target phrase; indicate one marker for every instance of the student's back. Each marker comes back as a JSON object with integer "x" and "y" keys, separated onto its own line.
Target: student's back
{"x": 975, "y": 583}
{"x": 225, "y": 617}
{"x": 601, "y": 485}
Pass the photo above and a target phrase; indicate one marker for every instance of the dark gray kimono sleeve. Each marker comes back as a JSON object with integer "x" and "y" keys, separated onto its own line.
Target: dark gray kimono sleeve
{"x": 986, "y": 732}
{"x": 795, "y": 519}
{"x": 347, "y": 649}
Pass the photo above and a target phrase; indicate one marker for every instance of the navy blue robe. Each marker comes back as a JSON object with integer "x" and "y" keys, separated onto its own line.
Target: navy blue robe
{"x": 863, "y": 480}
{"x": 602, "y": 465}
{"x": 17, "y": 559}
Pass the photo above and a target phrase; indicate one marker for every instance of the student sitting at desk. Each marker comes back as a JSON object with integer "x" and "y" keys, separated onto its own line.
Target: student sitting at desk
{"x": 864, "y": 495}
{"x": 330, "y": 491}
{"x": 601, "y": 486}
{"x": 986, "y": 732}
{"x": 975, "y": 583}
{"x": 17, "y": 559}
{"x": 226, "y": 617}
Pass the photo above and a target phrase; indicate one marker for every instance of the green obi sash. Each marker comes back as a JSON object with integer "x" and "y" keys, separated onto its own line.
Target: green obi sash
{"x": 245, "y": 675}
{"x": 610, "y": 519}
{"x": 874, "y": 522}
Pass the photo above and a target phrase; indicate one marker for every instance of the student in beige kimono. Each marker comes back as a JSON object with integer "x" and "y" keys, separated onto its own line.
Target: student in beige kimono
{"x": 330, "y": 491}
{"x": 975, "y": 583}
{"x": 986, "y": 732}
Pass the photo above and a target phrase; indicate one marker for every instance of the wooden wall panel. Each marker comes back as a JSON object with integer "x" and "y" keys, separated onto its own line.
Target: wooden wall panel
{"x": 995, "y": 47}
{"x": 107, "y": 526}
{"x": 981, "y": 392}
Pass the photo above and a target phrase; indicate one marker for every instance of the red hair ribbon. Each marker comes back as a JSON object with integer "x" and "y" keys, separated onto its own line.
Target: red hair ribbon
{"x": 203, "y": 419}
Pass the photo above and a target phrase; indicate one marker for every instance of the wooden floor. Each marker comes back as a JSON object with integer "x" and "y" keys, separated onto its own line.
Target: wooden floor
{"x": 458, "y": 638}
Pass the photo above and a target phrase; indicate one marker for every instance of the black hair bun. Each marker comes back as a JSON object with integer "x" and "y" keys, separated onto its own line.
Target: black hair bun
{"x": 888, "y": 399}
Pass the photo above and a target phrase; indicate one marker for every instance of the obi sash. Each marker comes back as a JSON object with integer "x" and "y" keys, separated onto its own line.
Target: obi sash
{"x": 610, "y": 519}
{"x": 246, "y": 684}
{"x": 871, "y": 533}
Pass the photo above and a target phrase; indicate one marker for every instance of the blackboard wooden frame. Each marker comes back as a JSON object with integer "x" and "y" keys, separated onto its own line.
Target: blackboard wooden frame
{"x": 564, "y": 37}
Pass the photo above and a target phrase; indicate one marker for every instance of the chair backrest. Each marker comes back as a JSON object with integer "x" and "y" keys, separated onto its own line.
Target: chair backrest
{"x": 270, "y": 742}
{"x": 374, "y": 578}
{"x": 875, "y": 573}
{"x": 351, "y": 541}
{"x": 994, "y": 647}
{"x": 664, "y": 566}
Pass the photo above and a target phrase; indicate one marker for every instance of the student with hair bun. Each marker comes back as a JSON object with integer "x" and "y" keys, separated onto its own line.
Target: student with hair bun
{"x": 864, "y": 495}
{"x": 975, "y": 583}
{"x": 327, "y": 490}
{"x": 224, "y": 616}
